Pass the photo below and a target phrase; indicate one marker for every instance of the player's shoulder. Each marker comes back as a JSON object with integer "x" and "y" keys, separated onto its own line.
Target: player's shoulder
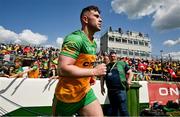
{"x": 74, "y": 36}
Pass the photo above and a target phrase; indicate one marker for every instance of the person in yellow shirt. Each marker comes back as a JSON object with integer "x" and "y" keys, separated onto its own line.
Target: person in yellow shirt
{"x": 34, "y": 70}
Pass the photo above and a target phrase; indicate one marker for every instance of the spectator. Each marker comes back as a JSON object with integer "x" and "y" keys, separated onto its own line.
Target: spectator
{"x": 18, "y": 68}
{"x": 4, "y": 71}
{"x": 53, "y": 70}
{"x": 33, "y": 72}
{"x": 117, "y": 85}
{"x": 11, "y": 70}
{"x": 105, "y": 59}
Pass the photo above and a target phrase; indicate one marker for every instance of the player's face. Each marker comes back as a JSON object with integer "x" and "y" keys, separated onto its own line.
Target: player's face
{"x": 94, "y": 21}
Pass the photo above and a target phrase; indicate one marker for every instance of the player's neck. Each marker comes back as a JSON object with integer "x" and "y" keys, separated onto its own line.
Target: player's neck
{"x": 88, "y": 33}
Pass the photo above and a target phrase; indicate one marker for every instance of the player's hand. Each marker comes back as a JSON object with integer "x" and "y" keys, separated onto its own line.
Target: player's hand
{"x": 100, "y": 70}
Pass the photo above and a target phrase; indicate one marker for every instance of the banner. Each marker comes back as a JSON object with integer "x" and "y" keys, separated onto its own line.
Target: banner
{"x": 163, "y": 92}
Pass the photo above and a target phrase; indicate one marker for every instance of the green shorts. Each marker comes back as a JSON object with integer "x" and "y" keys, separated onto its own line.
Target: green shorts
{"x": 68, "y": 109}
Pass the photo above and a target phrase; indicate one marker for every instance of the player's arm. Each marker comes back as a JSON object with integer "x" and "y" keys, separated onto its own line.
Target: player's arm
{"x": 67, "y": 68}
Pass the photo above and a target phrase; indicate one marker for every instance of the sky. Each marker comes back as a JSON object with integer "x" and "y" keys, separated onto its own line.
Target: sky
{"x": 47, "y": 22}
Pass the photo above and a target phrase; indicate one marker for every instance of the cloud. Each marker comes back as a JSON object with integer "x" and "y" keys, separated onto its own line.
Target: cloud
{"x": 26, "y": 37}
{"x": 135, "y": 8}
{"x": 18, "y": 41}
{"x": 166, "y": 13}
{"x": 59, "y": 41}
{"x": 167, "y": 17}
{"x": 49, "y": 45}
{"x": 7, "y": 35}
{"x": 170, "y": 43}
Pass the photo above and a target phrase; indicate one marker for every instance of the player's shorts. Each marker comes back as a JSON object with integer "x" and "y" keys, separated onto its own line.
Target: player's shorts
{"x": 68, "y": 109}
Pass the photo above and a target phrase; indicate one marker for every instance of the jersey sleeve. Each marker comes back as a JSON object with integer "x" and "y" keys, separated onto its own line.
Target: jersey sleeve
{"x": 71, "y": 46}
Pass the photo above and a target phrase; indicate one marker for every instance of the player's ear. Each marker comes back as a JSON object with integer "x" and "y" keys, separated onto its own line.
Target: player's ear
{"x": 85, "y": 19}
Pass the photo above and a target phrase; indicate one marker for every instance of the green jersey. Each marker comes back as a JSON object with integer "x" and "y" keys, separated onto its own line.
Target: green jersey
{"x": 79, "y": 47}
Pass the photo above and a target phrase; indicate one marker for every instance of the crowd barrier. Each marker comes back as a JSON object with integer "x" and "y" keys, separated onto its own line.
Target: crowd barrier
{"x": 19, "y": 96}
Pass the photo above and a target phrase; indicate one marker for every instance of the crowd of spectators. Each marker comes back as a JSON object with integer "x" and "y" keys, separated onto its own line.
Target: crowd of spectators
{"x": 154, "y": 69}
{"x": 27, "y": 61}
{"x": 38, "y": 62}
